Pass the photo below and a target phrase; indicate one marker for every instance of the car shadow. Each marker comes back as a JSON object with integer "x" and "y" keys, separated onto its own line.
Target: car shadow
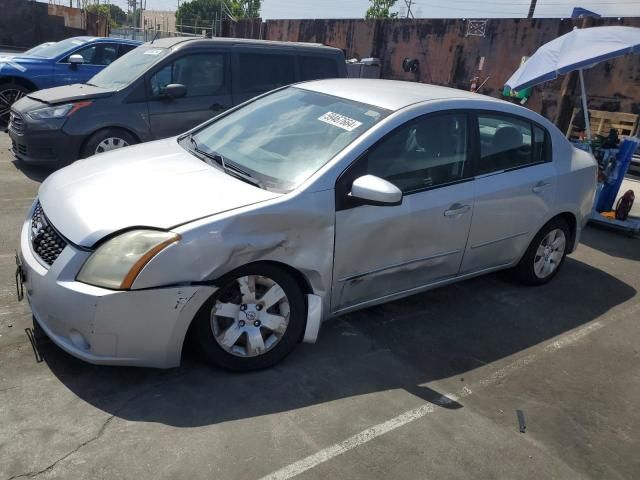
{"x": 613, "y": 242}
{"x": 35, "y": 173}
{"x": 405, "y": 344}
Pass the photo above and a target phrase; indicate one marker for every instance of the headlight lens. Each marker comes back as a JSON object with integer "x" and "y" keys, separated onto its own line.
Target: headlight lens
{"x": 58, "y": 111}
{"x": 117, "y": 263}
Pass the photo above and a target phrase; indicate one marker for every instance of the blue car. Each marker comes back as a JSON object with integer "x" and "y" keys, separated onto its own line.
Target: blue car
{"x": 74, "y": 60}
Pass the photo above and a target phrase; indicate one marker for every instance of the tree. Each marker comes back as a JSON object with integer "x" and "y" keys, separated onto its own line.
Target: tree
{"x": 118, "y": 16}
{"x": 381, "y": 9}
{"x": 114, "y": 14}
{"x": 204, "y": 12}
{"x": 246, "y": 8}
{"x": 198, "y": 13}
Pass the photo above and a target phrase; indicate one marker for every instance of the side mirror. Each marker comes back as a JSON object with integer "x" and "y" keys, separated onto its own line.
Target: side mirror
{"x": 76, "y": 59}
{"x": 174, "y": 90}
{"x": 374, "y": 190}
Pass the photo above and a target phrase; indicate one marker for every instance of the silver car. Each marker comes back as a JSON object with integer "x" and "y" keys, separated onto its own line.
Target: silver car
{"x": 300, "y": 205}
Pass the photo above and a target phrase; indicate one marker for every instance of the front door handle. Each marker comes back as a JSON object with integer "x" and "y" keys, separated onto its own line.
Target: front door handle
{"x": 540, "y": 187}
{"x": 456, "y": 209}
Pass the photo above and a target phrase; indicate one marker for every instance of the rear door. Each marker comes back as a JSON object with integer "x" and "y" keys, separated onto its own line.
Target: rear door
{"x": 257, "y": 70}
{"x": 205, "y": 74}
{"x": 513, "y": 189}
{"x": 96, "y": 57}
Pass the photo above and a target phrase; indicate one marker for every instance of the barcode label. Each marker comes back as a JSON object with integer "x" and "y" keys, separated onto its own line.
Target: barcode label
{"x": 340, "y": 121}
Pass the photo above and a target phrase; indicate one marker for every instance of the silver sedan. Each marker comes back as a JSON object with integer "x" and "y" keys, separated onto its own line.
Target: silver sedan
{"x": 300, "y": 205}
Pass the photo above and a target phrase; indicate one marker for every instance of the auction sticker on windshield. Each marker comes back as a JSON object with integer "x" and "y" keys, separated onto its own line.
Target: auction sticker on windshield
{"x": 153, "y": 52}
{"x": 340, "y": 121}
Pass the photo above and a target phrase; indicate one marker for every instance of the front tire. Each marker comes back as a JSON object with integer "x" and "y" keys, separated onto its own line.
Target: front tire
{"x": 9, "y": 94}
{"x": 545, "y": 254}
{"x": 107, "y": 140}
{"x": 253, "y": 321}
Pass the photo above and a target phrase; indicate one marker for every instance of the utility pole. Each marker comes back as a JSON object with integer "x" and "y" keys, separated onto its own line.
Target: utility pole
{"x": 532, "y": 8}
{"x": 409, "y": 12}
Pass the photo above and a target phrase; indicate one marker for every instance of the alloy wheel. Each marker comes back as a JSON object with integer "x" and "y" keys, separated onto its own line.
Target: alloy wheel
{"x": 549, "y": 253}
{"x": 7, "y": 97}
{"x": 110, "y": 143}
{"x": 250, "y": 316}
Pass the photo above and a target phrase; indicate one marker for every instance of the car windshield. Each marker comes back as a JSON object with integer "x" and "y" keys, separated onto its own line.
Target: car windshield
{"x": 56, "y": 49}
{"x": 282, "y": 139}
{"x": 128, "y": 68}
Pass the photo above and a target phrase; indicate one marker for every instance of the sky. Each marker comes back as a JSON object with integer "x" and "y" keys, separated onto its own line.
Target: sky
{"x": 427, "y": 8}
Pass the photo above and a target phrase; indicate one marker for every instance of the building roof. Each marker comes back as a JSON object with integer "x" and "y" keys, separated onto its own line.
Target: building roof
{"x": 388, "y": 94}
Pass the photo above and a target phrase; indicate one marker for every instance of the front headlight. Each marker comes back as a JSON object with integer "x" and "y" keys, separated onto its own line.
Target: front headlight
{"x": 58, "y": 111}
{"x": 117, "y": 262}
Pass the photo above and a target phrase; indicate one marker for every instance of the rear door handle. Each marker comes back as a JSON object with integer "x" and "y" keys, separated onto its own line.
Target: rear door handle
{"x": 540, "y": 187}
{"x": 217, "y": 107}
{"x": 456, "y": 209}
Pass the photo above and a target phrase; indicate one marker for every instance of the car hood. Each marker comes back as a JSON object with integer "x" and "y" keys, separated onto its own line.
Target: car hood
{"x": 20, "y": 63}
{"x": 69, "y": 93}
{"x": 156, "y": 184}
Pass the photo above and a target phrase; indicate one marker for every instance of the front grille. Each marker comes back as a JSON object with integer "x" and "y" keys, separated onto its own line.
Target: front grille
{"x": 46, "y": 242}
{"x": 16, "y": 123}
{"x": 18, "y": 148}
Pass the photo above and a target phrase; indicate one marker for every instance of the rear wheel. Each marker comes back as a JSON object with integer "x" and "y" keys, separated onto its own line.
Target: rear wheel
{"x": 9, "y": 93}
{"x": 253, "y": 321}
{"x": 545, "y": 254}
{"x": 107, "y": 140}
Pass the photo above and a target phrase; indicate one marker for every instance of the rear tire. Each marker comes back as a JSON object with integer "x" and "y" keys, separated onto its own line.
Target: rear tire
{"x": 545, "y": 254}
{"x": 10, "y": 92}
{"x": 253, "y": 321}
{"x": 107, "y": 140}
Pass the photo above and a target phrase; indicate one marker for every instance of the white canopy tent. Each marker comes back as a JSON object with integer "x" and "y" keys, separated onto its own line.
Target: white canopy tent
{"x": 576, "y": 50}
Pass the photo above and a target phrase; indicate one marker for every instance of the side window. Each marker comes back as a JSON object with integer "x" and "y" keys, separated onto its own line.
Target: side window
{"x": 261, "y": 72}
{"x": 541, "y": 145}
{"x": 202, "y": 74}
{"x": 316, "y": 68}
{"x": 424, "y": 153}
{"x": 508, "y": 142}
{"x": 86, "y": 53}
{"x": 123, "y": 48}
{"x": 98, "y": 54}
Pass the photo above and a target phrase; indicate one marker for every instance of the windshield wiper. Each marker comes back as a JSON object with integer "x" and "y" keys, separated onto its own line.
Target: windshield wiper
{"x": 229, "y": 169}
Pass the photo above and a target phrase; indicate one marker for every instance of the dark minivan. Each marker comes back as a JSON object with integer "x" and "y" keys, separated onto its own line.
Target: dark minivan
{"x": 160, "y": 89}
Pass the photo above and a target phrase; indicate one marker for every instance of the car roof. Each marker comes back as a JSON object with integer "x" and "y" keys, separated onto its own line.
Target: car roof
{"x": 112, "y": 39}
{"x": 191, "y": 41}
{"x": 389, "y": 94}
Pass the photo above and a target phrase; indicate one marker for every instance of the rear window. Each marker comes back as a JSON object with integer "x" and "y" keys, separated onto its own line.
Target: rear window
{"x": 263, "y": 72}
{"x": 317, "y": 68}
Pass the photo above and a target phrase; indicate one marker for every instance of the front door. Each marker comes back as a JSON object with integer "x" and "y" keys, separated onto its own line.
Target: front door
{"x": 205, "y": 76}
{"x": 96, "y": 57}
{"x": 384, "y": 250}
{"x": 514, "y": 190}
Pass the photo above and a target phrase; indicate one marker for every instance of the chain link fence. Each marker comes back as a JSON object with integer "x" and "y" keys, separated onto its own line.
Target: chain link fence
{"x": 148, "y": 34}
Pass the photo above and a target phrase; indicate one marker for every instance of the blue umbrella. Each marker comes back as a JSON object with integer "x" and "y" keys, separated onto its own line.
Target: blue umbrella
{"x": 576, "y": 50}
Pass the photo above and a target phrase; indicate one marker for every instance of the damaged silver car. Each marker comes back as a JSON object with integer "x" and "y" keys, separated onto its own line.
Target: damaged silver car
{"x": 302, "y": 204}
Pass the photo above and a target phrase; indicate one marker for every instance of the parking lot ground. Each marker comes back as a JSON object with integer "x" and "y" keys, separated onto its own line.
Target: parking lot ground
{"x": 426, "y": 387}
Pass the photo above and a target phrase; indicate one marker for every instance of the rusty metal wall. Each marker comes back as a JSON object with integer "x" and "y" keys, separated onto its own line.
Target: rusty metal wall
{"x": 30, "y": 23}
{"x": 448, "y": 56}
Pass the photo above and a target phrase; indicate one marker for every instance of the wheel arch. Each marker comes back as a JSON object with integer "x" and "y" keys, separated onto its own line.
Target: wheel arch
{"x": 23, "y": 82}
{"x": 299, "y": 277}
{"x": 84, "y": 143}
{"x": 572, "y": 222}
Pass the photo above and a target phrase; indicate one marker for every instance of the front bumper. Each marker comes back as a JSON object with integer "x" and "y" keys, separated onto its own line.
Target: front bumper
{"x": 44, "y": 146}
{"x": 139, "y": 328}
